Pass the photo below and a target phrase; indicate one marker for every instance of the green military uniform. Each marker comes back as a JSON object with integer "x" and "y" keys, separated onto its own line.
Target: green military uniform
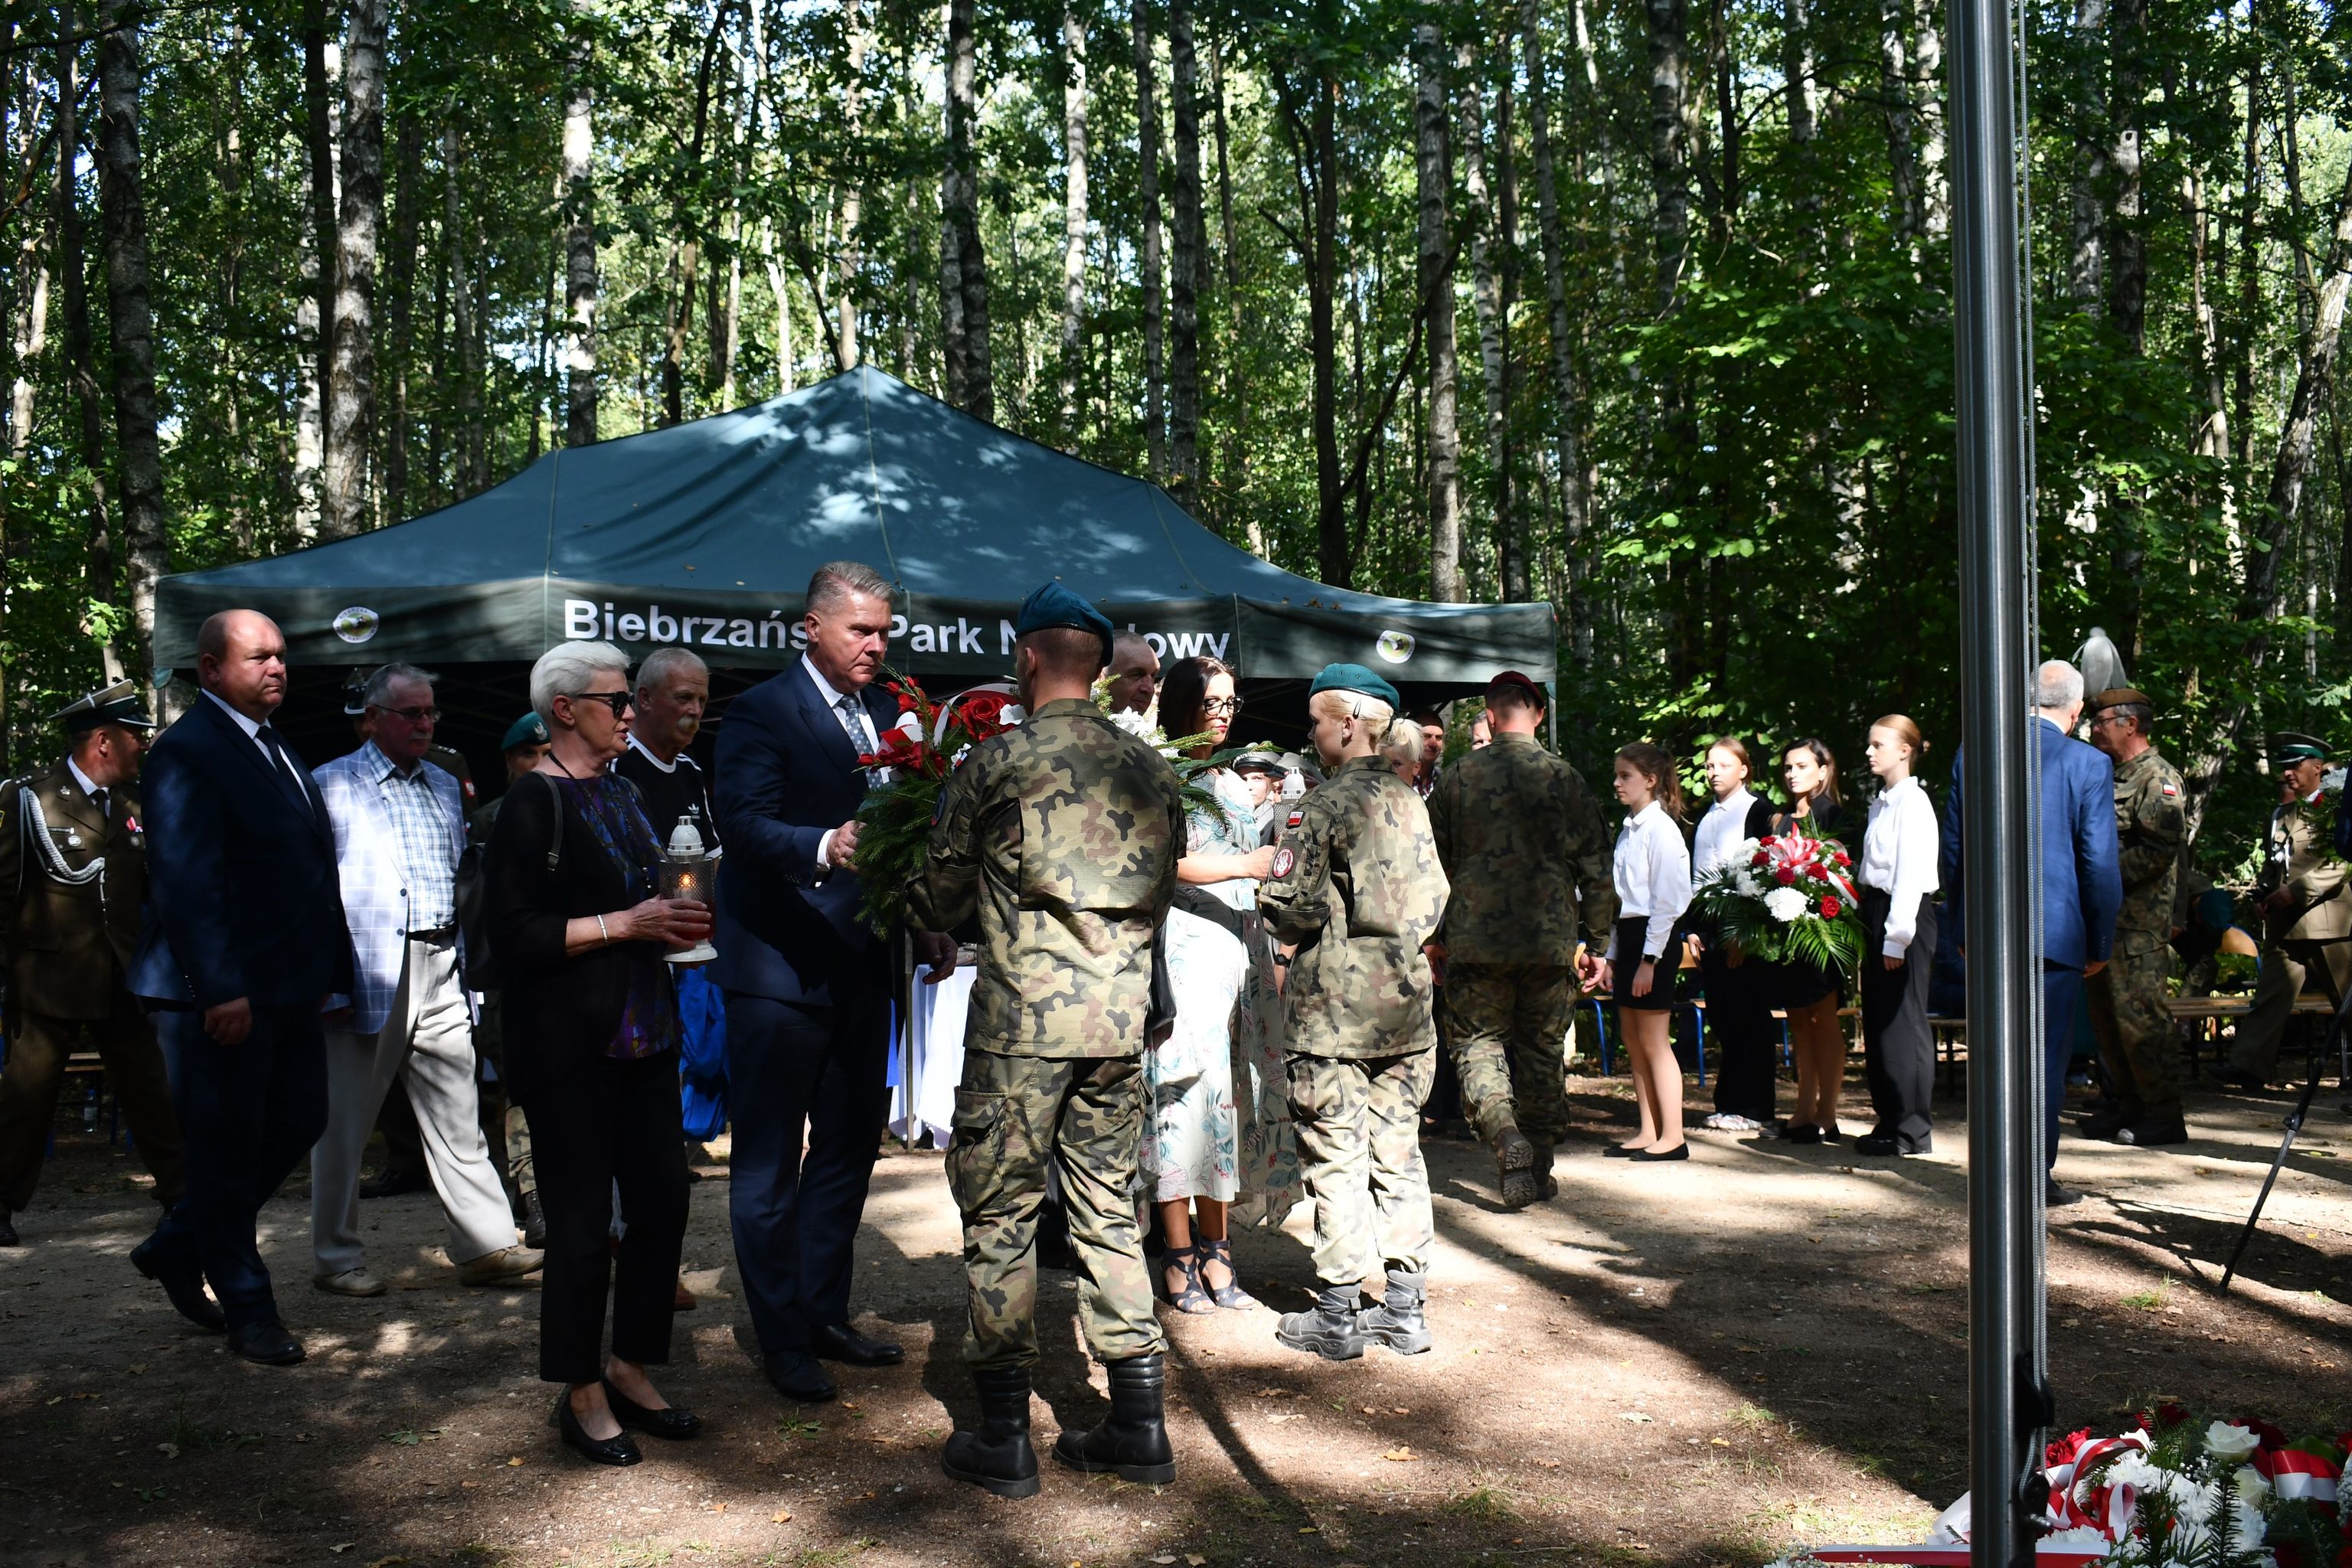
{"x": 73, "y": 883}
{"x": 1522, "y": 841}
{"x": 2314, "y": 928}
{"x": 1062, "y": 837}
{"x": 1358, "y": 887}
{"x": 2136, "y": 1036}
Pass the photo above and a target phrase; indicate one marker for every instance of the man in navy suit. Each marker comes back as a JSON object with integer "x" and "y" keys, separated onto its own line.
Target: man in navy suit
{"x": 807, "y": 981}
{"x": 244, "y": 940}
{"x": 2081, "y": 875}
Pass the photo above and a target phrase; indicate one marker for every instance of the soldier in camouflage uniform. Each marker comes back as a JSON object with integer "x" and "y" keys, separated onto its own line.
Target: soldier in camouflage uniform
{"x": 2138, "y": 1040}
{"x": 1062, "y": 837}
{"x": 2305, "y": 907}
{"x": 1522, "y": 841}
{"x": 1357, "y": 886}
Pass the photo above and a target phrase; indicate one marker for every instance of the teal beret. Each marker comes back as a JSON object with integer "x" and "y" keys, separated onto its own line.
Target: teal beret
{"x": 529, "y": 730}
{"x": 1056, "y": 605}
{"x": 1355, "y": 677}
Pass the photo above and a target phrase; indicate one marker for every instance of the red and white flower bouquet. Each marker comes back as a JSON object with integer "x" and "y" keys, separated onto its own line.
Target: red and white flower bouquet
{"x": 907, "y": 773}
{"x": 1784, "y": 899}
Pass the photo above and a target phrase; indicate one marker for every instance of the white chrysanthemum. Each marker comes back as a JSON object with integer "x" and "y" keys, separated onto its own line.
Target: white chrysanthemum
{"x": 2229, "y": 1442}
{"x": 2193, "y": 1504}
{"x": 2080, "y": 1537}
{"x": 1751, "y": 884}
{"x": 1784, "y": 904}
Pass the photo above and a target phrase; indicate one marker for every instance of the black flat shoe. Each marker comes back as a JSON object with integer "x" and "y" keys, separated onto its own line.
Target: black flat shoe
{"x": 184, "y": 1286}
{"x": 796, "y": 1375}
{"x": 1618, "y": 1151}
{"x": 266, "y": 1344}
{"x": 617, "y": 1449}
{"x": 1887, "y": 1144}
{"x": 839, "y": 1341}
{"x": 1679, "y": 1151}
{"x": 1802, "y": 1132}
{"x": 671, "y": 1421}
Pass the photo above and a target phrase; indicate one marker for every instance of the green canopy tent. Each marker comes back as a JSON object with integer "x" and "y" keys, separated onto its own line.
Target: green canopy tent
{"x": 706, "y": 534}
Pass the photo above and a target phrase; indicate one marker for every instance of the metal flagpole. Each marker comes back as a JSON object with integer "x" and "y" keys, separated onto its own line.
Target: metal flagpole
{"x": 2005, "y": 1388}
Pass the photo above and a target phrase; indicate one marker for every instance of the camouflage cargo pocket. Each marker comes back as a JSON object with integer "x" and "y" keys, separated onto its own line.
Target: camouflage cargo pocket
{"x": 975, "y": 1158}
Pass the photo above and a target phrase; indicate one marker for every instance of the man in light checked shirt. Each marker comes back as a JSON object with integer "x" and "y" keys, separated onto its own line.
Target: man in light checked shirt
{"x": 400, "y": 826}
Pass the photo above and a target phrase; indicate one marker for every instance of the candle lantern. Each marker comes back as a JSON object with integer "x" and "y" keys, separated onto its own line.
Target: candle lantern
{"x": 686, "y": 873}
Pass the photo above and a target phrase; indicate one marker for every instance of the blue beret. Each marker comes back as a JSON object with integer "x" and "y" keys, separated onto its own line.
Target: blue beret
{"x": 529, "y": 730}
{"x": 1056, "y": 605}
{"x": 1355, "y": 677}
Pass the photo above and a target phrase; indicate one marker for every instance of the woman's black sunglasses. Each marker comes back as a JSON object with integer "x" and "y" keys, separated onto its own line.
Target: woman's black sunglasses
{"x": 620, "y": 702}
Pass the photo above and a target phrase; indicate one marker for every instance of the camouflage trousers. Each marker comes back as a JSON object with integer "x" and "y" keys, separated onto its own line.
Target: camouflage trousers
{"x": 1509, "y": 1025}
{"x": 1358, "y": 1126}
{"x": 1015, "y": 1116}
{"x": 2138, "y": 1041}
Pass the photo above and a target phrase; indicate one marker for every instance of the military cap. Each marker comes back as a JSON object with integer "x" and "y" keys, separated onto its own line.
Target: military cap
{"x": 1513, "y": 678}
{"x": 2287, "y": 747}
{"x": 1056, "y": 605}
{"x": 531, "y": 729}
{"x": 115, "y": 704}
{"x": 2121, "y": 697}
{"x": 1299, "y": 763}
{"x": 1257, "y": 762}
{"x": 1357, "y": 679}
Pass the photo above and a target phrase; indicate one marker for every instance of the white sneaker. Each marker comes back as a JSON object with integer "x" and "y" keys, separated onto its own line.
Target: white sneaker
{"x": 350, "y": 1282}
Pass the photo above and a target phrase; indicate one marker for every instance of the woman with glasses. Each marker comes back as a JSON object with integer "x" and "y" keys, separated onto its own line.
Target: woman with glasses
{"x": 1220, "y": 1127}
{"x": 580, "y": 928}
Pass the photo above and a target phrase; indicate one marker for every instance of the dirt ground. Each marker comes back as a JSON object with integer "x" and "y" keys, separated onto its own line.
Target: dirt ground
{"x": 1700, "y": 1364}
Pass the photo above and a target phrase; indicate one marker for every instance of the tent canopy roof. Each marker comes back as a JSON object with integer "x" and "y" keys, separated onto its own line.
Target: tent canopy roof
{"x": 709, "y": 531}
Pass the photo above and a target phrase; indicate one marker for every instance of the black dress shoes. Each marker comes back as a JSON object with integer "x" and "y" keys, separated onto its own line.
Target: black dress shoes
{"x": 796, "y": 1375}
{"x": 1650, "y": 1156}
{"x": 2153, "y": 1134}
{"x": 7, "y": 1231}
{"x": 2054, "y": 1197}
{"x": 671, "y": 1421}
{"x": 620, "y": 1448}
{"x": 839, "y": 1341}
{"x": 2239, "y": 1077}
{"x": 184, "y": 1285}
{"x": 1892, "y": 1143}
{"x": 267, "y": 1342}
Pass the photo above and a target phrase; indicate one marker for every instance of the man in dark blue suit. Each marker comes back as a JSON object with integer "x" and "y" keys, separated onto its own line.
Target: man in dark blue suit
{"x": 2081, "y": 875}
{"x": 807, "y": 981}
{"x": 245, "y": 939}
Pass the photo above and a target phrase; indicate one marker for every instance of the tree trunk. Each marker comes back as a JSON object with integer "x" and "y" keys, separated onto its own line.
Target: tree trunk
{"x": 310, "y": 396}
{"x": 1190, "y": 268}
{"x": 350, "y": 381}
{"x": 461, "y": 308}
{"x": 1800, "y": 74}
{"x": 131, "y": 321}
{"x": 1235, "y": 481}
{"x": 73, "y": 271}
{"x": 2126, "y": 243}
{"x": 959, "y": 211}
{"x": 1487, "y": 293}
{"x": 1434, "y": 184}
{"x": 580, "y": 238}
{"x": 400, "y": 308}
{"x": 1669, "y": 51}
{"x": 1511, "y": 547}
{"x": 857, "y": 26}
{"x": 1895, "y": 93}
{"x": 2085, "y": 265}
{"x": 1147, "y": 154}
{"x": 30, "y": 335}
{"x": 318, "y": 137}
{"x": 2291, "y": 470}
{"x": 1927, "y": 67}
{"x": 1575, "y": 512}
{"x": 1074, "y": 214}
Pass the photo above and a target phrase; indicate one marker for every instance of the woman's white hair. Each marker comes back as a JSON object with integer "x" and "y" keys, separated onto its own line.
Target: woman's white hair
{"x": 1376, "y": 714}
{"x": 1404, "y": 741}
{"x": 570, "y": 668}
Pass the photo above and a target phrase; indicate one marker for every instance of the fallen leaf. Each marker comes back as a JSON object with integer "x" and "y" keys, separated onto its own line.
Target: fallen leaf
{"x": 469, "y": 1484}
{"x": 718, "y": 1508}
{"x": 782, "y": 1516}
{"x": 1165, "y": 1557}
{"x": 169, "y": 1450}
{"x": 1719, "y": 1442}
{"x": 1401, "y": 1456}
{"x": 1309, "y": 1530}
{"x": 1369, "y": 1410}
{"x": 847, "y": 1404}
{"x": 57, "y": 1399}
{"x": 137, "y": 1367}
{"x": 1193, "y": 1560}
{"x": 1401, "y": 1410}
{"x": 514, "y": 1461}
{"x": 866, "y": 1496}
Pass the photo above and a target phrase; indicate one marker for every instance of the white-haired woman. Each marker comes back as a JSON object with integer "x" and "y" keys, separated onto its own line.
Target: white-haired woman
{"x": 591, "y": 1031}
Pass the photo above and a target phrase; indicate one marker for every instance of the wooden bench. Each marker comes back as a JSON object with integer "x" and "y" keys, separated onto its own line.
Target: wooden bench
{"x": 2201, "y": 1018}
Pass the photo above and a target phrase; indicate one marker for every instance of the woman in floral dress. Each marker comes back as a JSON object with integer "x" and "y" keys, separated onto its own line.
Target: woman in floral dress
{"x": 1220, "y": 1134}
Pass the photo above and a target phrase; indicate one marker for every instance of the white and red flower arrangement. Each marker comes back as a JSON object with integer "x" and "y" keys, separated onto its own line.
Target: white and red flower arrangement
{"x": 1786, "y": 899}
{"x": 907, "y": 773}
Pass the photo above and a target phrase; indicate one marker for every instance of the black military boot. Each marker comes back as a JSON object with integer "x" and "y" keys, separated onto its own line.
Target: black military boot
{"x": 998, "y": 1457}
{"x": 1134, "y": 1442}
{"x": 1515, "y": 1167}
{"x": 534, "y": 1222}
{"x": 1547, "y": 1185}
{"x": 1397, "y": 1322}
{"x": 1329, "y": 1329}
{"x": 2104, "y": 1122}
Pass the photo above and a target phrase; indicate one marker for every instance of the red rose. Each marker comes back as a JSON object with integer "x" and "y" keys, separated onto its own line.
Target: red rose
{"x": 981, "y": 713}
{"x": 1785, "y": 875}
{"x": 1763, "y": 858}
{"x": 1830, "y": 908}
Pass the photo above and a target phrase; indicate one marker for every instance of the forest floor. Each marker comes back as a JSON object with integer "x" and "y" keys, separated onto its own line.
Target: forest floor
{"x": 1702, "y": 1363}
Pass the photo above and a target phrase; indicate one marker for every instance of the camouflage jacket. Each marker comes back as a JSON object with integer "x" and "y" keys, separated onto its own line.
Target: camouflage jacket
{"x": 2298, "y": 856}
{"x": 1062, "y": 835}
{"x": 2149, "y": 825}
{"x": 1522, "y": 841}
{"x": 1358, "y": 886}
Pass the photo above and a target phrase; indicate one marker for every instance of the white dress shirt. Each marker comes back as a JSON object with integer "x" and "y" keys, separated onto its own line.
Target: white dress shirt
{"x": 831, "y": 696}
{"x": 253, "y": 732}
{"x": 89, "y": 786}
{"x": 1898, "y": 858}
{"x": 1723, "y": 829}
{"x": 1652, "y": 870}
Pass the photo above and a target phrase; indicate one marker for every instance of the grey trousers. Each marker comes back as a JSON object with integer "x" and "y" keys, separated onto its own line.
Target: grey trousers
{"x": 428, "y": 1041}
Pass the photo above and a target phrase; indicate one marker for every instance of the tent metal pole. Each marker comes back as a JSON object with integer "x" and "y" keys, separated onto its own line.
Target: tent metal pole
{"x": 2005, "y": 1388}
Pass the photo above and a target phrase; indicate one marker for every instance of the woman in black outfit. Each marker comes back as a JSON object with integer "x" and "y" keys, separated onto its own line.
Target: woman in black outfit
{"x": 592, "y": 1038}
{"x": 1809, "y": 993}
{"x": 1738, "y": 1002}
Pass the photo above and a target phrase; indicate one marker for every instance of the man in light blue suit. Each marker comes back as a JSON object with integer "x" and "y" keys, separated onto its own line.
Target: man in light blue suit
{"x": 2082, "y": 874}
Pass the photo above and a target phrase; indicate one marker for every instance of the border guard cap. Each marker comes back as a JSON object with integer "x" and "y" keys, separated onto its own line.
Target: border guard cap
{"x": 2288, "y": 747}
{"x": 529, "y": 730}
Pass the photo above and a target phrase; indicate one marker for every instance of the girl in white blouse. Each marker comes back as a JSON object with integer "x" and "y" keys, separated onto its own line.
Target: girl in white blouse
{"x": 1898, "y": 950}
{"x": 1653, "y": 888}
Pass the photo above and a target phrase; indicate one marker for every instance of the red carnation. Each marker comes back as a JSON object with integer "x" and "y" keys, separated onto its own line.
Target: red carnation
{"x": 1785, "y": 875}
{"x": 1763, "y": 858}
{"x": 1830, "y": 908}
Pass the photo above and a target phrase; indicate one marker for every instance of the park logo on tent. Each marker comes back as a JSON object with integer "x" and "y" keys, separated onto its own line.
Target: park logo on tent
{"x": 1395, "y": 647}
{"x": 356, "y": 624}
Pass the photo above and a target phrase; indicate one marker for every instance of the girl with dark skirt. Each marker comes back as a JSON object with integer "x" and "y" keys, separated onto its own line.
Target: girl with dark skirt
{"x": 1653, "y": 873}
{"x": 1739, "y": 1006}
{"x": 1898, "y": 917}
{"x": 1809, "y": 993}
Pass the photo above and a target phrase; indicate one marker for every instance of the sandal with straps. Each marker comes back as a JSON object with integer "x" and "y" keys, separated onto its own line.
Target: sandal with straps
{"x": 1230, "y": 1294}
{"x": 1192, "y": 1298}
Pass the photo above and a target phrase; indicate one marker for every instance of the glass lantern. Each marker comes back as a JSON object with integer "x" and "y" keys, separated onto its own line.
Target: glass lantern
{"x": 686, "y": 872}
